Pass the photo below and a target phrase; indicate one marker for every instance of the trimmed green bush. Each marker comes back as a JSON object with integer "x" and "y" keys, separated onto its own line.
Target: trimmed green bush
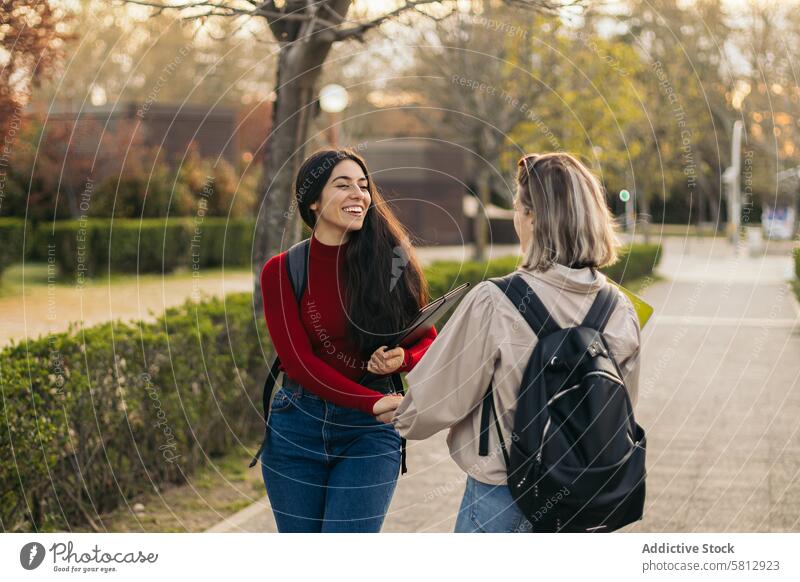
{"x": 443, "y": 276}
{"x": 97, "y": 246}
{"x": 218, "y": 241}
{"x": 12, "y": 231}
{"x": 36, "y": 243}
{"x": 147, "y": 246}
{"x": 636, "y": 261}
{"x": 93, "y": 418}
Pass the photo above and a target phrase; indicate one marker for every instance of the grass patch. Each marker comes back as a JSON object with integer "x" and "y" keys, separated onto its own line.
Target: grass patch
{"x": 19, "y": 278}
{"x": 216, "y": 490}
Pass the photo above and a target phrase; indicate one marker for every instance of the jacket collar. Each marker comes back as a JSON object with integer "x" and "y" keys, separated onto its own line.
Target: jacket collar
{"x": 584, "y": 280}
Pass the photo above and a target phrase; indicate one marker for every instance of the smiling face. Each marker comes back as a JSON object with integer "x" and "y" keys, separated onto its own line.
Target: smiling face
{"x": 345, "y": 199}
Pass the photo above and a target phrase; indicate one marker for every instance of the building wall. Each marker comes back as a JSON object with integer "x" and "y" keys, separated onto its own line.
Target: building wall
{"x": 168, "y": 128}
{"x": 422, "y": 181}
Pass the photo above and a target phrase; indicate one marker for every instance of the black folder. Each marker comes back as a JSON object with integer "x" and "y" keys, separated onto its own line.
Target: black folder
{"x": 426, "y": 317}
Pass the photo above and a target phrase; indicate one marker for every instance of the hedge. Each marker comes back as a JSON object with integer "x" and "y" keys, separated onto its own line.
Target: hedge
{"x": 635, "y": 261}
{"x": 155, "y": 245}
{"x": 222, "y": 242}
{"x": 96, "y": 417}
{"x": 92, "y": 419}
{"x": 12, "y": 233}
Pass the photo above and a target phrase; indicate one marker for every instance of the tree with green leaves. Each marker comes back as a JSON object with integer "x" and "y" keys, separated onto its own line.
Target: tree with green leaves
{"x": 685, "y": 84}
{"x": 473, "y": 75}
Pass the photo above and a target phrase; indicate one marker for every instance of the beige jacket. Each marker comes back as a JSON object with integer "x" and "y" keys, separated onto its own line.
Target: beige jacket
{"x": 487, "y": 340}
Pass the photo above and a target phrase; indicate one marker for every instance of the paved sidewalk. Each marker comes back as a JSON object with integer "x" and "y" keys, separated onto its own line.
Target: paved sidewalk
{"x": 42, "y": 309}
{"x": 720, "y": 399}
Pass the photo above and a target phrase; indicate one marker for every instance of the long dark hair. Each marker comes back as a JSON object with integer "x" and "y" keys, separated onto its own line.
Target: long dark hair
{"x": 385, "y": 286}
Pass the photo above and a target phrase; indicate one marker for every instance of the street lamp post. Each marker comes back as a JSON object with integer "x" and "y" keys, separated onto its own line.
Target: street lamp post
{"x": 333, "y": 99}
{"x": 731, "y": 177}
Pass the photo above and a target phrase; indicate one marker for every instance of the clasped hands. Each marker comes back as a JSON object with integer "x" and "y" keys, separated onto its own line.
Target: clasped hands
{"x": 382, "y": 362}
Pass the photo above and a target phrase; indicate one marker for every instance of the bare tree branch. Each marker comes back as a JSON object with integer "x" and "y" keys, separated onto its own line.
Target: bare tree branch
{"x": 302, "y": 19}
{"x": 338, "y": 18}
{"x": 357, "y": 31}
{"x": 218, "y": 8}
{"x": 544, "y": 5}
{"x": 282, "y": 21}
{"x": 263, "y": 9}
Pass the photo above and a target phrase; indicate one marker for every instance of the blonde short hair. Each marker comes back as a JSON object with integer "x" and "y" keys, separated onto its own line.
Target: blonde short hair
{"x": 572, "y": 224}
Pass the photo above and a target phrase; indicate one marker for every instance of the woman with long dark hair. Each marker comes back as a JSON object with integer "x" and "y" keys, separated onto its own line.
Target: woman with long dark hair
{"x": 328, "y": 463}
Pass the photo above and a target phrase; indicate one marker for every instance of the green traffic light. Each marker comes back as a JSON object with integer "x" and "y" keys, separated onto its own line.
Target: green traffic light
{"x": 624, "y": 195}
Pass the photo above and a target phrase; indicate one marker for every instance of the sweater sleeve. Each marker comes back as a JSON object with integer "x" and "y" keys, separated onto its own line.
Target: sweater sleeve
{"x": 294, "y": 348}
{"x": 413, "y": 354}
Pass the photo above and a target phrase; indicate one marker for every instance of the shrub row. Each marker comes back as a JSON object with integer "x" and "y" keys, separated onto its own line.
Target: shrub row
{"x": 635, "y": 261}
{"x": 12, "y": 232}
{"x": 92, "y": 419}
{"x": 154, "y": 245}
{"x": 98, "y": 246}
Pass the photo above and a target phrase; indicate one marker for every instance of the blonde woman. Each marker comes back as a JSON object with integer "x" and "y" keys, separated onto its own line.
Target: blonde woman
{"x": 566, "y": 233}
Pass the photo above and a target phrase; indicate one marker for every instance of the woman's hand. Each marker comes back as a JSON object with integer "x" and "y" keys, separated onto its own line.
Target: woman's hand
{"x": 385, "y": 361}
{"x": 385, "y": 407}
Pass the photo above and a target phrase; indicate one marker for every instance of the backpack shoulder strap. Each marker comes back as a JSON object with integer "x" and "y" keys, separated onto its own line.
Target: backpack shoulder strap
{"x": 528, "y": 304}
{"x": 269, "y": 384}
{"x": 602, "y": 308}
{"x": 297, "y": 266}
{"x": 488, "y": 408}
{"x": 541, "y": 322}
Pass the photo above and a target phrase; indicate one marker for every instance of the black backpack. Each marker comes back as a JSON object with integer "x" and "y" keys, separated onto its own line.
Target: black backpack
{"x": 577, "y": 456}
{"x": 297, "y": 265}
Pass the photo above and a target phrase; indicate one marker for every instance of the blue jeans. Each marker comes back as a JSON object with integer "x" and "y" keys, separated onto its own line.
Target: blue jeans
{"x": 489, "y": 509}
{"x": 327, "y": 468}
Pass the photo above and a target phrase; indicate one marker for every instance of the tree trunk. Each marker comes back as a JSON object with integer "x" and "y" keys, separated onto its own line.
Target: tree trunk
{"x": 72, "y": 201}
{"x": 277, "y": 227}
{"x": 714, "y": 211}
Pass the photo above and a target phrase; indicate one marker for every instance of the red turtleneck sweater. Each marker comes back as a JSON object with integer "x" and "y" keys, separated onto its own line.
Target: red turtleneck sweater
{"x": 312, "y": 342}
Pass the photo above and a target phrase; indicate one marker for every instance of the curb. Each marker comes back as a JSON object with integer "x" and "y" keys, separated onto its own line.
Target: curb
{"x": 237, "y": 521}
